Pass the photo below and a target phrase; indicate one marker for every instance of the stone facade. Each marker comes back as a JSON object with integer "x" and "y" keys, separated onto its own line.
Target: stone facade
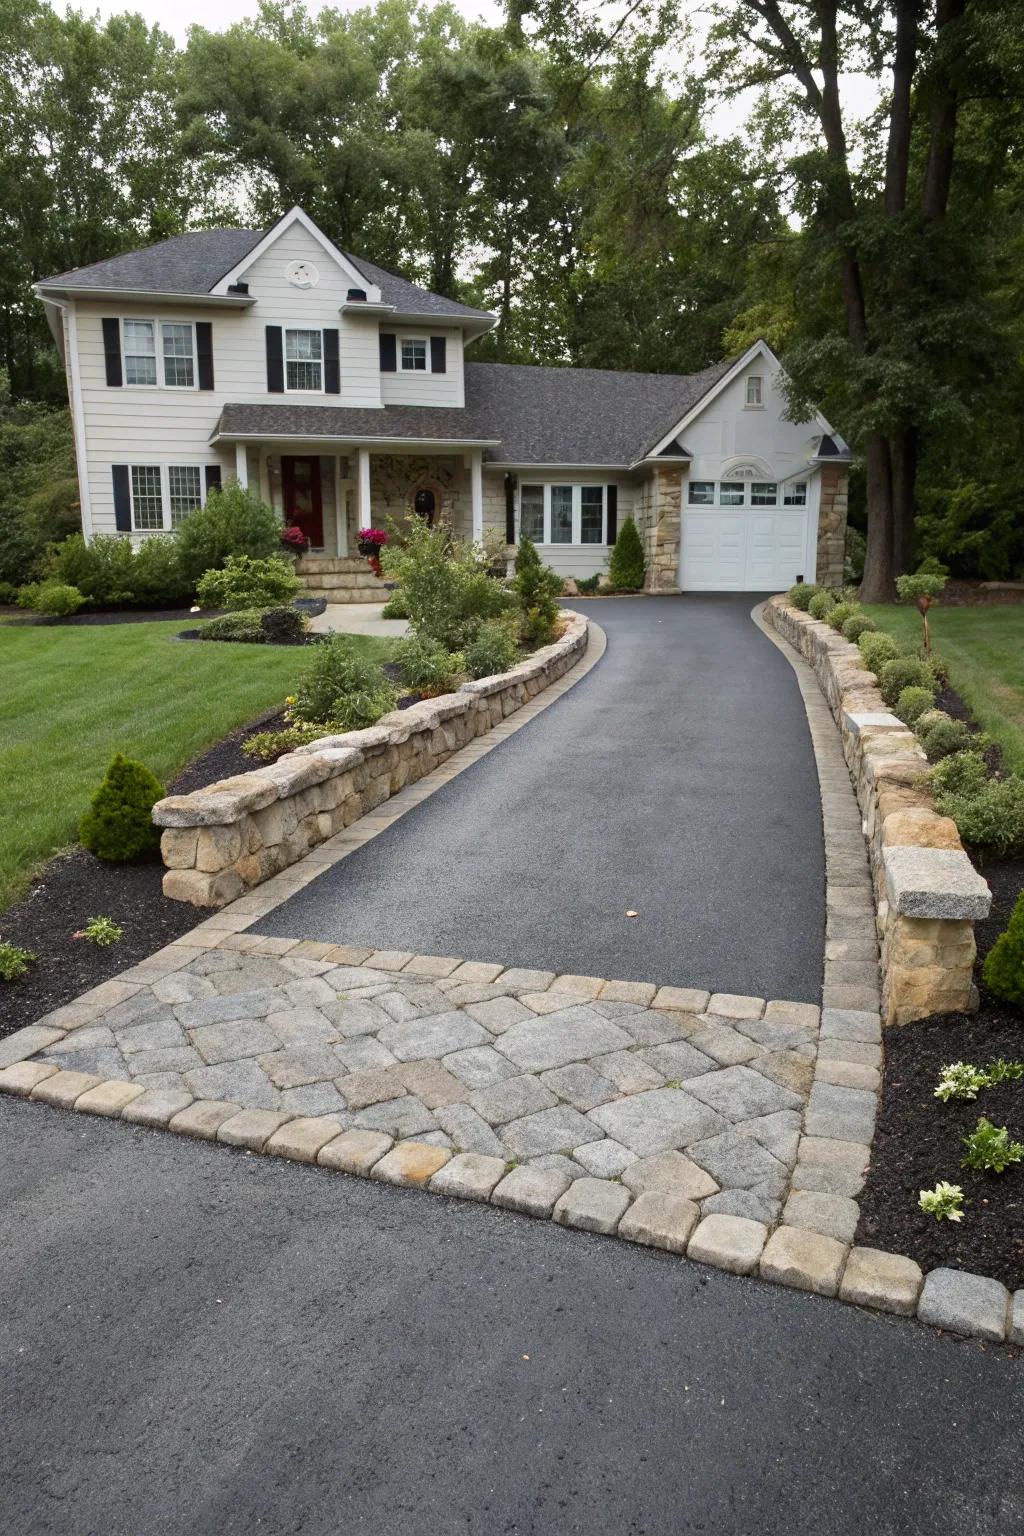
{"x": 927, "y": 893}
{"x": 222, "y": 840}
{"x": 835, "y": 482}
{"x": 656, "y": 512}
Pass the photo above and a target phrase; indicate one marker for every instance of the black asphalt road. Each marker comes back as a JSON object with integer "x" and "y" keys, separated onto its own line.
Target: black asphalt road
{"x": 676, "y": 780}
{"x": 197, "y": 1342}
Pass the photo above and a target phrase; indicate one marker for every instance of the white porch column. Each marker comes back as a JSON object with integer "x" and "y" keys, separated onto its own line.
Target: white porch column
{"x": 341, "y": 485}
{"x": 363, "y": 488}
{"x": 242, "y": 465}
{"x": 476, "y": 487}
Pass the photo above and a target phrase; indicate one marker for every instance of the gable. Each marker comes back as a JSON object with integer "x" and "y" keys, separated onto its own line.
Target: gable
{"x": 295, "y": 243}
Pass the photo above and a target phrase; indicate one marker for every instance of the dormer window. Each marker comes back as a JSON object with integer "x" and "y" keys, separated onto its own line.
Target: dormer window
{"x": 413, "y": 354}
{"x": 755, "y": 391}
{"x": 304, "y": 360}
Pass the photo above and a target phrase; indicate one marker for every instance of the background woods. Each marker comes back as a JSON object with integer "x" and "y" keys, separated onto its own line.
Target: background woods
{"x": 570, "y": 172}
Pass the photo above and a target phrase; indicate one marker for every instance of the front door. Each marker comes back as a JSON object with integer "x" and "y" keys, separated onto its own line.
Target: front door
{"x": 303, "y": 496}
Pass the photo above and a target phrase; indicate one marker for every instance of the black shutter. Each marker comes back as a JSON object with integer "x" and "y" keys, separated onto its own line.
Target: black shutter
{"x": 212, "y": 478}
{"x": 275, "y": 360}
{"x": 122, "y": 498}
{"x": 388, "y": 352}
{"x": 510, "y": 509}
{"x": 332, "y": 369}
{"x": 438, "y": 354}
{"x": 112, "y": 351}
{"x": 204, "y": 353}
{"x": 612, "y": 502}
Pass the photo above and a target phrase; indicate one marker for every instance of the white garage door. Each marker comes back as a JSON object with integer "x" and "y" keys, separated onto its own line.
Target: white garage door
{"x": 759, "y": 549}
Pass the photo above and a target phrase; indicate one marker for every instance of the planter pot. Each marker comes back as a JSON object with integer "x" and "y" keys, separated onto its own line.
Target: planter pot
{"x": 367, "y": 547}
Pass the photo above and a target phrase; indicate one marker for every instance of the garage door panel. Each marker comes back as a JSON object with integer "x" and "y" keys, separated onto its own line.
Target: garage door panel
{"x": 715, "y": 549}
{"x": 753, "y": 549}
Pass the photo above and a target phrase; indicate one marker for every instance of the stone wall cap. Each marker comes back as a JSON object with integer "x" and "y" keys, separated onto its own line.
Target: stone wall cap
{"x": 936, "y": 883}
{"x": 878, "y": 719}
{"x": 218, "y": 804}
{"x": 291, "y": 773}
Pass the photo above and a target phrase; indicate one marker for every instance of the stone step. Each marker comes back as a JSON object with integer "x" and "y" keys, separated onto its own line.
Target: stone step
{"x": 330, "y": 565}
{"x": 365, "y": 580}
{"x": 348, "y": 594}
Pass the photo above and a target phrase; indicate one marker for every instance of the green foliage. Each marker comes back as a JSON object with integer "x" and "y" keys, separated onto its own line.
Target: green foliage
{"x": 801, "y": 594}
{"x": 960, "y": 1080}
{"x": 1004, "y": 963}
{"x": 626, "y": 565}
{"x": 905, "y": 672}
{"x": 912, "y": 703}
{"x": 14, "y": 961}
{"x": 930, "y": 717}
{"x": 821, "y": 604}
{"x": 838, "y": 615}
{"x": 921, "y": 584}
{"x": 38, "y": 485}
{"x": 102, "y": 931}
{"x": 266, "y": 746}
{"x": 445, "y": 584}
{"x": 428, "y": 668}
{"x": 586, "y": 586}
{"x": 855, "y": 549}
{"x": 989, "y": 813}
{"x": 245, "y": 627}
{"x": 283, "y": 626}
{"x": 51, "y": 599}
{"x": 944, "y": 738}
{"x": 945, "y": 1202}
{"x": 495, "y": 649}
{"x": 396, "y": 606}
{"x": 246, "y": 582}
{"x": 877, "y": 649}
{"x": 538, "y": 589}
{"x": 342, "y": 688}
{"x": 858, "y": 624}
{"x": 990, "y": 1150}
{"x": 111, "y": 572}
{"x": 976, "y": 524}
{"x": 963, "y": 774}
{"x": 118, "y": 825}
{"x": 234, "y": 521}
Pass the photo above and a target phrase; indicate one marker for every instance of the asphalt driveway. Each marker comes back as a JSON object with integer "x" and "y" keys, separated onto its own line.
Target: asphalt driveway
{"x": 197, "y": 1342}
{"x": 677, "y": 780}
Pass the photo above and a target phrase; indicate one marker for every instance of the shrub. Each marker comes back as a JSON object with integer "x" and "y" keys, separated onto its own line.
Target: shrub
{"x": 283, "y": 626}
{"x": 801, "y": 594}
{"x": 51, "y": 599}
{"x": 928, "y": 584}
{"x": 112, "y": 573}
{"x": 8, "y": 592}
{"x": 877, "y": 649}
{"x": 990, "y": 1150}
{"x": 156, "y": 576}
{"x": 396, "y": 606}
{"x": 924, "y": 723}
{"x": 264, "y": 746}
{"x": 905, "y": 672}
{"x": 944, "y": 738}
{"x": 233, "y": 522}
{"x": 821, "y": 604}
{"x": 14, "y": 961}
{"x": 855, "y": 549}
{"x": 427, "y": 667}
{"x": 244, "y": 582}
{"x": 858, "y": 624}
{"x": 447, "y": 591}
{"x": 586, "y": 586}
{"x": 342, "y": 688}
{"x": 118, "y": 825}
{"x": 495, "y": 649}
{"x": 964, "y": 775}
{"x": 626, "y": 568}
{"x": 1004, "y": 964}
{"x": 838, "y": 615}
{"x": 102, "y": 931}
{"x": 538, "y": 589}
{"x": 992, "y": 819}
{"x": 245, "y": 627}
{"x": 912, "y": 703}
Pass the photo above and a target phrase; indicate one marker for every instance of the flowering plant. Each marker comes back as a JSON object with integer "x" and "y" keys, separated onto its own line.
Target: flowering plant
{"x": 294, "y": 539}
{"x": 373, "y": 536}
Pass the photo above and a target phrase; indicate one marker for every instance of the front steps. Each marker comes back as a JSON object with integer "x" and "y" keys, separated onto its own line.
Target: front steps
{"x": 339, "y": 579}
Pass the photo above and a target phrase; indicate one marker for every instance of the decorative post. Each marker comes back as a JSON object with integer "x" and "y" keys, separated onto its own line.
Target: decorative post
{"x": 365, "y": 517}
{"x": 476, "y": 484}
{"x": 242, "y": 465}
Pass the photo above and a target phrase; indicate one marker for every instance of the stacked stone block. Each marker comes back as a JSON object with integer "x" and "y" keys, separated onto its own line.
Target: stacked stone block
{"x": 832, "y": 514}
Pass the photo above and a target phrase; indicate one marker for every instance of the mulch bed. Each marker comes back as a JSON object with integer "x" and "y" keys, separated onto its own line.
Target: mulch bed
{"x": 108, "y": 616}
{"x": 970, "y": 594}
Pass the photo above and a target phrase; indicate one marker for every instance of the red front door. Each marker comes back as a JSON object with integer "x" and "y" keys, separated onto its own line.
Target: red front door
{"x": 303, "y": 499}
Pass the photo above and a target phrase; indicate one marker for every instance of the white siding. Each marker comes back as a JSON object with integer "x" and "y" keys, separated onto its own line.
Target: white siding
{"x": 425, "y": 388}
{"x": 577, "y": 559}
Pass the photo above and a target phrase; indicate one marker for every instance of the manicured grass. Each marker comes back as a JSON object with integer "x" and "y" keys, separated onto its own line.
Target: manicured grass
{"x": 71, "y": 697}
{"x": 984, "y": 650}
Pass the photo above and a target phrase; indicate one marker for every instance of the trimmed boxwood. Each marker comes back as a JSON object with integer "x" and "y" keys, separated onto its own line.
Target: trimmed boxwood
{"x": 838, "y": 615}
{"x": 877, "y": 649}
{"x": 905, "y": 672}
{"x": 858, "y": 624}
{"x": 912, "y": 703}
{"x": 801, "y": 594}
{"x": 821, "y": 605}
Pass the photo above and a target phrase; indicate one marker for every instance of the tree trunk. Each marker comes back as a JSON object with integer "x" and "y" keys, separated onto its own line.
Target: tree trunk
{"x": 942, "y": 93}
{"x": 903, "y": 452}
{"x": 878, "y": 585}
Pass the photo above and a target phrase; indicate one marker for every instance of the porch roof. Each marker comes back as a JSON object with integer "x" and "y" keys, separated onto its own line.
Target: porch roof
{"x": 411, "y": 425}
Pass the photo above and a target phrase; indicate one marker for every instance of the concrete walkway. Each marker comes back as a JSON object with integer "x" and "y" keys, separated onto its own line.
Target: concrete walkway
{"x": 357, "y": 619}
{"x": 677, "y": 780}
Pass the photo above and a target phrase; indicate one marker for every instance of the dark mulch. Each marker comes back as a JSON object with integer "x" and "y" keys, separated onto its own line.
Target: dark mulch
{"x": 918, "y": 1141}
{"x": 197, "y": 634}
{"x": 110, "y": 616}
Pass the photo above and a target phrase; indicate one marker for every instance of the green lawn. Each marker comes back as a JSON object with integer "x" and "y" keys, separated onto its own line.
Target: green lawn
{"x": 984, "y": 650}
{"x": 70, "y": 697}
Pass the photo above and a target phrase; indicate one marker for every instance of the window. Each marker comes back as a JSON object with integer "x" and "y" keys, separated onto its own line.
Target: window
{"x": 139, "y": 352}
{"x": 561, "y": 514}
{"x": 531, "y": 513}
{"x": 147, "y": 497}
{"x": 702, "y": 493}
{"x": 591, "y": 514}
{"x": 755, "y": 391}
{"x": 795, "y": 494}
{"x": 303, "y": 360}
{"x": 414, "y": 354}
{"x": 731, "y": 493}
{"x": 179, "y": 356}
{"x": 185, "y": 486}
{"x": 764, "y": 493}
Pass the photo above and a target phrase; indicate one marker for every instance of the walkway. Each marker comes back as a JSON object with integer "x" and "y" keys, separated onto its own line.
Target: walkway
{"x": 676, "y": 781}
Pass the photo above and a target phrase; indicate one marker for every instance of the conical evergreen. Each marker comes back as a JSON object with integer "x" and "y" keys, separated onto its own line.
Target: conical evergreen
{"x": 118, "y": 825}
{"x": 1004, "y": 963}
{"x": 626, "y": 566}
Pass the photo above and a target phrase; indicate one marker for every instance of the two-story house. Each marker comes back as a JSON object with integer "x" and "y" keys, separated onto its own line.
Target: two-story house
{"x": 343, "y": 395}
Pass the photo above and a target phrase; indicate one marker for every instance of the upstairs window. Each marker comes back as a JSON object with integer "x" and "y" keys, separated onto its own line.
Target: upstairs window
{"x": 795, "y": 494}
{"x": 764, "y": 493}
{"x": 304, "y": 360}
{"x": 413, "y": 354}
{"x": 139, "y": 352}
{"x": 179, "y": 356}
{"x": 755, "y": 391}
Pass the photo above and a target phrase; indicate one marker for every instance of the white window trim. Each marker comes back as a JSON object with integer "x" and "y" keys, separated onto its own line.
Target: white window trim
{"x": 775, "y": 502}
{"x": 783, "y": 488}
{"x": 403, "y": 336}
{"x": 793, "y": 485}
{"x": 165, "y": 466}
{"x": 576, "y": 542}
{"x": 753, "y": 405}
{"x": 158, "y": 343}
{"x": 284, "y": 357}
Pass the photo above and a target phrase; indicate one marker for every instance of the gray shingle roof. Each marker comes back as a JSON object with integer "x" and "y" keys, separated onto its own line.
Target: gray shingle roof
{"x": 537, "y": 415}
{"x": 196, "y": 262}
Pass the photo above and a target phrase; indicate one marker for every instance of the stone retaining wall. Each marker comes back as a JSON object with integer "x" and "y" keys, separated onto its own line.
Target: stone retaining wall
{"x": 226, "y": 838}
{"x": 928, "y": 894}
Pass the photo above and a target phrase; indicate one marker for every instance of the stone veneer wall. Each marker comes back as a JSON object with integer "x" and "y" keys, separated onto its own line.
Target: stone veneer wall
{"x": 657, "y": 515}
{"x": 928, "y": 894}
{"x": 835, "y": 484}
{"x": 226, "y": 838}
